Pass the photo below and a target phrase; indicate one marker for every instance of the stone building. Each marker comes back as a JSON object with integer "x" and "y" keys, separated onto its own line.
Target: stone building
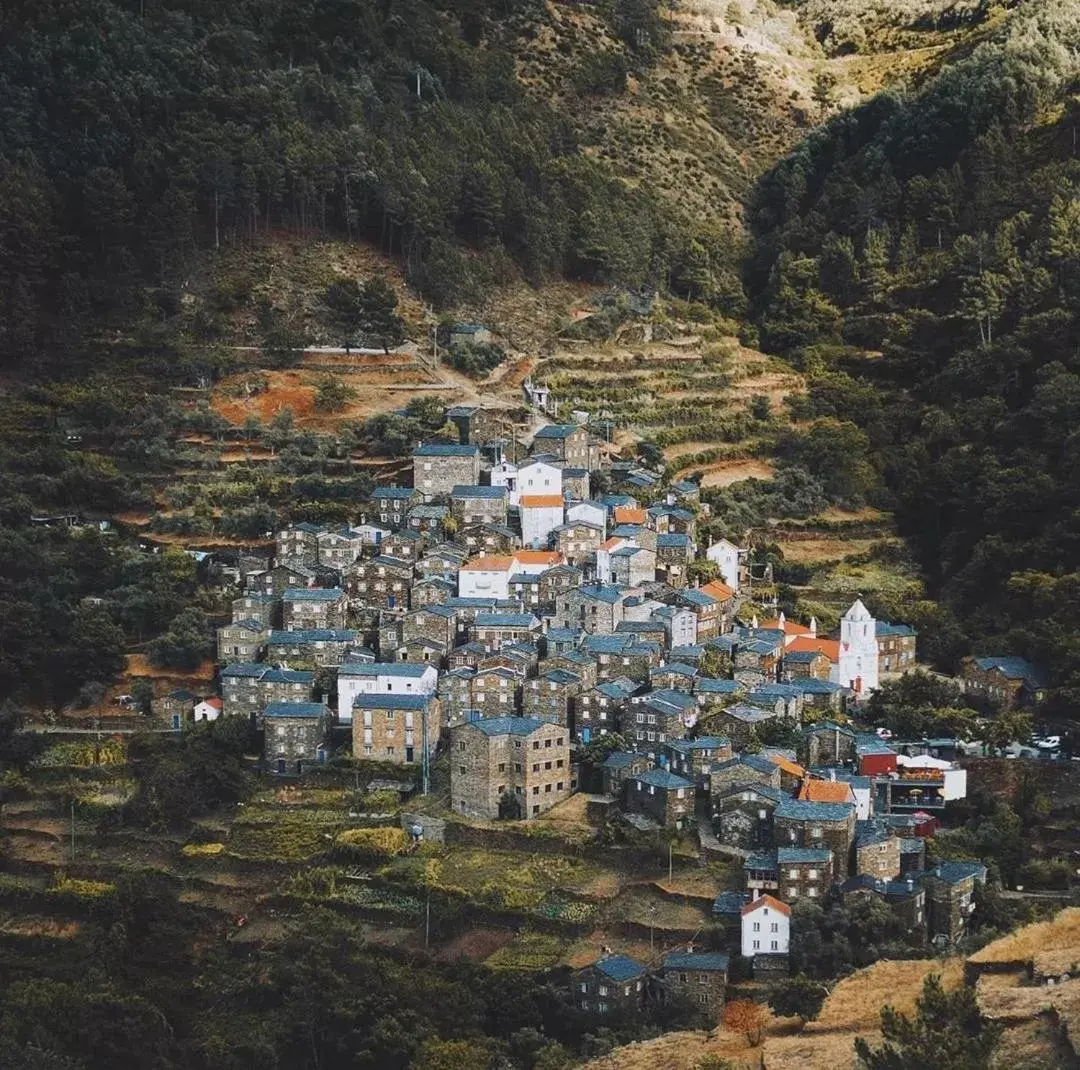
{"x": 478, "y": 505}
{"x": 743, "y": 815}
{"x": 248, "y": 688}
{"x": 710, "y": 621}
{"x": 595, "y": 609}
{"x": 814, "y": 664}
{"x": 508, "y": 767}
{"x": 428, "y": 521}
{"x": 493, "y": 630}
{"x": 632, "y": 565}
{"x": 242, "y": 640}
{"x": 390, "y": 504}
{"x": 277, "y": 580}
{"x": 1003, "y": 681}
{"x": 316, "y": 646}
{"x": 487, "y": 540}
{"x": 826, "y": 743}
{"x": 674, "y": 552}
{"x": 403, "y": 545}
{"x": 295, "y": 736}
{"x": 662, "y": 797}
{"x": 576, "y": 484}
{"x": 438, "y": 467}
{"x": 550, "y": 695}
{"x": 804, "y": 872}
{"x": 338, "y": 548}
{"x": 315, "y": 607}
{"x": 476, "y": 425}
{"x": 695, "y": 977}
{"x": 600, "y": 709}
{"x": 950, "y": 898}
{"x": 612, "y": 984}
{"x": 395, "y": 728}
{"x": 380, "y": 583}
{"x": 694, "y": 758}
{"x": 743, "y": 769}
{"x": 432, "y": 591}
{"x": 578, "y": 540}
{"x": 556, "y": 581}
{"x": 437, "y": 624}
{"x": 298, "y": 544}
{"x": 816, "y": 825}
{"x": 495, "y": 691}
{"x": 569, "y": 443}
{"x": 877, "y": 852}
{"x": 175, "y": 709}
{"x": 265, "y": 608}
{"x": 619, "y": 767}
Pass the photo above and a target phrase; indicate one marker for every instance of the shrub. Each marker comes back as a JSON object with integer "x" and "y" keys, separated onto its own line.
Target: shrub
{"x": 374, "y": 843}
{"x": 201, "y": 850}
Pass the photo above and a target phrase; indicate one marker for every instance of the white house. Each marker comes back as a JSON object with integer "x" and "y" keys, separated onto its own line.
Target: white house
{"x": 485, "y": 577}
{"x": 370, "y": 534}
{"x": 505, "y": 474}
{"x": 954, "y": 778}
{"x": 382, "y": 678}
{"x": 857, "y": 666}
{"x": 539, "y": 477}
{"x": 725, "y": 555}
{"x": 541, "y": 514}
{"x": 766, "y": 927}
{"x": 587, "y": 513}
{"x": 208, "y": 710}
{"x": 603, "y": 557}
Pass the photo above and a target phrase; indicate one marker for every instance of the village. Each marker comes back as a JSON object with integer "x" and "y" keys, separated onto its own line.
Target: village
{"x": 537, "y": 641}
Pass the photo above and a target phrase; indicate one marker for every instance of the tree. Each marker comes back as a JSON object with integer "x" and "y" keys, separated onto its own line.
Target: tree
{"x": 746, "y": 1017}
{"x": 946, "y": 1030}
{"x": 332, "y": 394}
{"x": 715, "y": 663}
{"x": 760, "y": 407}
{"x": 142, "y": 691}
{"x": 381, "y": 322}
{"x": 799, "y": 997}
{"x": 186, "y": 644}
{"x": 822, "y": 93}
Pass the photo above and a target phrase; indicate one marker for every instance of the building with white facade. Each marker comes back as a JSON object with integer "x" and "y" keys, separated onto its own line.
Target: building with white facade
{"x": 541, "y": 514}
{"x": 766, "y": 927}
{"x": 505, "y": 474}
{"x": 857, "y": 666}
{"x": 382, "y": 678}
{"x": 725, "y": 555}
{"x": 539, "y": 477}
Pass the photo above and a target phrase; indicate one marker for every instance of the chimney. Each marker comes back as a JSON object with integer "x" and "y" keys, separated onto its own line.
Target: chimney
{"x": 813, "y": 626}
{"x": 832, "y": 775}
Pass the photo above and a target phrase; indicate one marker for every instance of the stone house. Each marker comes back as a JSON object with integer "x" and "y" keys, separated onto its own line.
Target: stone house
{"x": 785, "y": 700}
{"x": 455, "y": 693}
{"x": 495, "y": 629}
{"x": 418, "y": 649}
{"x": 487, "y": 540}
{"x": 804, "y": 872}
{"x": 672, "y": 520}
{"x": 338, "y": 548}
{"x": 817, "y": 825}
{"x": 673, "y": 675}
{"x": 388, "y": 641}
{"x": 814, "y": 664}
{"x": 695, "y": 977}
{"x": 706, "y": 610}
{"x": 647, "y": 631}
{"x": 429, "y": 521}
{"x": 550, "y": 696}
{"x": 682, "y": 490}
{"x": 1003, "y": 681}
{"x": 597, "y": 609}
{"x": 437, "y": 624}
{"x": 508, "y": 766}
{"x": 742, "y": 815}
{"x": 578, "y": 662}
{"x": 896, "y": 647}
{"x": 496, "y": 691}
{"x": 476, "y": 425}
{"x": 674, "y": 552}
{"x": 431, "y": 591}
{"x": 277, "y": 580}
{"x": 823, "y": 694}
{"x": 380, "y": 583}
{"x": 315, "y": 607}
{"x": 614, "y": 984}
{"x": 390, "y": 504}
{"x": 560, "y": 640}
{"x": 404, "y": 545}
{"x": 711, "y": 691}
{"x": 466, "y": 656}
{"x": 248, "y": 688}
{"x": 578, "y": 540}
{"x": 740, "y": 721}
{"x": 657, "y": 717}
{"x": 556, "y": 581}
{"x": 395, "y": 728}
{"x": 265, "y": 608}
{"x": 576, "y": 484}
{"x": 298, "y": 544}
{"x": 877, "y": 852}
{"x": 728, "y": 773}
{"x": 694, "y": 758}
{"x": 176, "y": 708}
{"x": 632, "y": 566}
{"x": 662, "y": 797}
{"x": 524, "y": 588}
{"x": 826, "y": 743}
{"x": 950, "y": 898}
{"x": 756, "y": 661}
{"x": 478, "y": 505}
{"x": 600, "y": 709}
{"x": 680, "y": 626}
{"x": 443, "y": 560}
{"x": 317, "y": 646}
{"x": 438, "y": 467}
{"x": 619, "y": 766}
{"x": 242, "y": 640}
{"x": 295, "y": 736}
{"x": 619, "y": 655}
{"x": 569, "y": 443}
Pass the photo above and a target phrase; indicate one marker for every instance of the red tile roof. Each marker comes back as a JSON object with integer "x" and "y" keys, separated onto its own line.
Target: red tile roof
{"x": 829, "y": 647}
{"x": 766, "y": 901}
{"x": 541, "y": 501}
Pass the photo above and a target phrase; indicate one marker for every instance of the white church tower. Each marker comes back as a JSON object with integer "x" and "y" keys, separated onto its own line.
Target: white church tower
{"x": 858, "y": 668}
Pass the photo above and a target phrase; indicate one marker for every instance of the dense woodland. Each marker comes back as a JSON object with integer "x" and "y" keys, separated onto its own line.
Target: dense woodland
{"x": 939, "y": 232}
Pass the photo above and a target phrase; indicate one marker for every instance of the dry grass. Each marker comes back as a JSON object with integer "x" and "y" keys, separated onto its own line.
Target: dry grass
{"x": 1062, "y": 932}
{"x": 137, "y": 665}
{"x": 852, "y": 1010}
{"x": 679, "y": 1051}
{"x": 724, "y": 473}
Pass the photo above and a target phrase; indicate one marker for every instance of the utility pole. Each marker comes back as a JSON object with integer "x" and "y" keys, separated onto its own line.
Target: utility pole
{"x": 72, "y": 830}
{"x": 669, "y": 861}
{"x": 425, "y": 776}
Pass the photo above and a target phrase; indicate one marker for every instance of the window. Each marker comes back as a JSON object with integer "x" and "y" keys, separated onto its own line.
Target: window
{"x": 536, "y": 767}
{"x": 536, "y": 789}
{"x": 547, "y": 766}
{"x": 502, "y": 767}
{"x": 603, "y": 990}
{"x": 559, "y": 786}
{"x": 815, "y": 834}
{"x": 812, "y": 892}
{"x": 762, "y": 815}
{"x": 757, "y": 926}
{"x": 793, "y": 874}
{"x": 517, "y": 767}
{"x": 461, "y": 770}
{"x": 547, "y": 788}
{"x": 775, "y": 945}
{"x": 812, "y": 874}
{"x": 703, "y": 978}
{"x": 757, "y": 945}
{"x": 774, "y": 927}
{"x": 793, "y": 892}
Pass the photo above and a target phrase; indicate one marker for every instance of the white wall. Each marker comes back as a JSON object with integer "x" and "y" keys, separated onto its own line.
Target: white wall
{"x": 858, "y": 650}
{"x": 725, "y": 555}
{"x": 589, "y": 513}
{"x": 506, "y": 475}
{"x": 388, "y": 683}
{"x": 538, "y": 477}
{"x": 538, "y": 524}
{"x": 474, "y": 583}
{"x": 765, "y": 917}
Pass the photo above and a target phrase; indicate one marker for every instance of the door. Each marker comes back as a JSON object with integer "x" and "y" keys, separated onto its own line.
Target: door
{"x": 586, "y": 735}
{"x": 281, "y": 766}
{"x": 176, "y": 722}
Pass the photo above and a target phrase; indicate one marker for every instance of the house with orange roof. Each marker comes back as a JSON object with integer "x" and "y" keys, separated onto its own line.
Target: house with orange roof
{"x": 486, "y": 577}
{"x": 826, "y": 791}
{"x": 625, "y": 514}
{"x": 541, "y": 514}
{"x": 766, "y": 934}
{"x": 209, "y": 709}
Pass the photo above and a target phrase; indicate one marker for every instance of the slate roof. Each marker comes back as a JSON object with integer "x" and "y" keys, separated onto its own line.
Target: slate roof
{"x": 563, "y": 635}
{"x": 676, "y": 667}
{"x": 701, "y": 961}
{"x": 609, "y": 593}
{"x": 391, "y": 702}
{"x": 729, "y": 902}
{"x": 313, "y": 594}
{"x": 312, "y": 635}
{"x": 306, "y": 710}
{"x": 761, "y": 860}
{"x": 249, "y": 624}
{"x": 1015, "y": 668}
{"x": 673, "y": 541}
{"x": 661, "y": 778}
{"x": 697, "y": 597}
{"x": 556, "y": 431}
{"x": 620, "y": 759}
{"x": 614, "y": 690}
{"x": 288, "y": 676}
{"x": 885, "y": 628}
{"x": 512, "y": 726}
{"x": 679, "y": 699}
{"x": 688, "y": 746}
{"x": 955, "y": 872}
{"x": 746, "y": 714}
{"x": 444, "y": 449}
{"x": 802, "y": 854}
{"x": 794, "y": 810}
{"x": 428, "y": 512}
{"x": 716, "y": 685}
{"x": 619, "y": 967}
{"x": 801, "y": 657}
{"x": 561, "y": 676}
{"x": 506, "y": 620}
{"x": 463, "y": 491}
{"x": 751, "y": 761}
{"x": 411, "y": 669}
{"x": 812, "y": 686}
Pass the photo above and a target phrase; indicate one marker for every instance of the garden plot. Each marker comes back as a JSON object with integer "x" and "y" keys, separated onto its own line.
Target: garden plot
{"x": 644, "y": 905}
{"x": 265, "y": 835}
{"x": 528, "y": 951}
